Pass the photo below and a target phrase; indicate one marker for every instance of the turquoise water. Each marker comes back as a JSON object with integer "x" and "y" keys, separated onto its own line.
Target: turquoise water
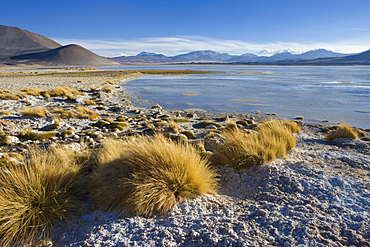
{"x": 336, "y": 94}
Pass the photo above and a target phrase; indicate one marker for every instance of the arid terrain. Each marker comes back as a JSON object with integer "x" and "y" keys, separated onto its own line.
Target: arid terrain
{"x": 316, "y": 196}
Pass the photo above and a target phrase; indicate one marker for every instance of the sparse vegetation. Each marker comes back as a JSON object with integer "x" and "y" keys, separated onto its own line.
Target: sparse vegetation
{"x": 150, "y": 176}
{"x": 29, "y": 134}
{"x": 89, "y": 102}
{"x": 343, "y": 131}
{"x": 63, "y": 92}
{"x": 34, "y": 112}
{"x": 36, "y": 195}
{"x": 241, "y": 149}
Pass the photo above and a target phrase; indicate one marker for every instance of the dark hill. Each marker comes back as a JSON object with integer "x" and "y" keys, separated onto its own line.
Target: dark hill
{"x": 15, "y": 41}
{"x": 65, "y": 55}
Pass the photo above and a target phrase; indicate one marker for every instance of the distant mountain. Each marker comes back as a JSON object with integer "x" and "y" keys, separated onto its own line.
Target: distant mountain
{"x": 358, "y": 59}
{"x": 201, "y": 56}
{"x": 287, "y": 56}
{"x": 19, "y": 46}
{"x": 65, "y": 55}
{"x": 216, "y": 57}
{"x": 319, "y": 53}
{"x": 143, "y": 57}
{"x": 247, "y": 57}
{"x": 15, "y": 41}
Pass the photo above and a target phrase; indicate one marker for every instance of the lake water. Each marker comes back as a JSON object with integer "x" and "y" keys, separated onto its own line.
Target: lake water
{"x": 336, "y": 94}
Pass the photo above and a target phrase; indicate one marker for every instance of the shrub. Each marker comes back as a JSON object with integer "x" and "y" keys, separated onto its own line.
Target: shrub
{"x": 36, "y": 195}
{"x": 343, "y": 131}
{"x": 150, "y": 176}
{"x": 34, "y": 112}
{"x": 241, "y": 149}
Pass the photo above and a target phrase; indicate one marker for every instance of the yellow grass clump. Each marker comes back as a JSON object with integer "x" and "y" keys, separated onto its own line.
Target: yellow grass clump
{"x": 240, "y": 149}
{"x": 34, "y": 112}
{"x": 78, "y": 112}
{"x": 150, "y": 176}
{"x": 29, "y": 134}
{"x": 35, "y": 195}
{"x": 343, "y": 131}
{"x": 32, "y": 91}
{"x": 63, "y": 92}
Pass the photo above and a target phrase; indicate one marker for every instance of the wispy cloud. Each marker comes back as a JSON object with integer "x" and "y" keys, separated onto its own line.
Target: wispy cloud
{"x": 175, "y": 45}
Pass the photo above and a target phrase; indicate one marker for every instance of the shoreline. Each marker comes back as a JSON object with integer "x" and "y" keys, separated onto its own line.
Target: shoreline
{"x": 317, "y": 195}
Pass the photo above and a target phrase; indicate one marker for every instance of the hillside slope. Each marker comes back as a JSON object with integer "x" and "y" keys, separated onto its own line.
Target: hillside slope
{"x": 65, "y": 55}
{"x": 15, "y": 41}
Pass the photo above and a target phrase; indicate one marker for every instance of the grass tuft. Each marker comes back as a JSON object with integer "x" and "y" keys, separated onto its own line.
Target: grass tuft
{"x": 150, "y": 175}
{"x": 29, "y": 134}
{"x": 343, "y": 131}
{"x": 34, "y": 112}
{"x": 36, "y": 195}
{"x": 240, "y": 149}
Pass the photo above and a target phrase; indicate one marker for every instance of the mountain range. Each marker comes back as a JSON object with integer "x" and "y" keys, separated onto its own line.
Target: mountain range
{"x": 215, "y": 57}
{"x": 19, "y": 46}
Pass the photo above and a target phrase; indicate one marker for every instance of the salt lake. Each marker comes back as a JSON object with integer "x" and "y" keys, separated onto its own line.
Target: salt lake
{"x": 332, "y": 93}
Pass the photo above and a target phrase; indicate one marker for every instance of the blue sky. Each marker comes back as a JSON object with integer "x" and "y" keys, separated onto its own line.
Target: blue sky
{"x": 171, "y": 27}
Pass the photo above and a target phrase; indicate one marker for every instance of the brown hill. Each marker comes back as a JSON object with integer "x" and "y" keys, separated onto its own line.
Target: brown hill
{"x": 65, "y": 55}
{"x": 15, "y": 41}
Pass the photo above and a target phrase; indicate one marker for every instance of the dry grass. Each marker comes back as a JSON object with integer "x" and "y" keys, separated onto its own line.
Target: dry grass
{"x": 173, "y": 127}
{"x": 34, "y": 112}
{"x": 29, "y": 134}
{"x": 150, "y": 175}
{"x": 63, "y": 92}
{"x": 32, "y": 91}
{"x": 240, "y": 149}
{"x": 292, "y": 125}
{"x": 89, "y": 102}
{"x": 35, "y": 196}
{"x": 343, "y": 131}
{"x": 107, "y": 89}
{"x": 78, "y": 112}
{"x": 4, "y": 112}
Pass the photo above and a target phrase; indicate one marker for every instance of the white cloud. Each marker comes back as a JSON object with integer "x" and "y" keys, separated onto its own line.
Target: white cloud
{"x": 176, "y": 45}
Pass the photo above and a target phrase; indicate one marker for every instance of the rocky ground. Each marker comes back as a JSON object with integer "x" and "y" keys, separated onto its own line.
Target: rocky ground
{"x": 318, "y": 196}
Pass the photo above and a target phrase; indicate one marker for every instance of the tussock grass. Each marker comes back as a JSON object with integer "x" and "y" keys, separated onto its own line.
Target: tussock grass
{"x": 292, "y": 125}
{"x": 32, "y": 91}
{"x": 63, "y": 92}
{"x": 89, "y": 102}
{"x": 343, "y": 131}
{"x": 78, "y": 112}
{"x": 150, "y": 176}
{"x": 36, "y": 195}
{"x": 34, "y": 112}
{"x": 4, "y": 112}
{"x": 173, "y": 127}
{"x": 241, "y": 149}
{"x": 29, "y": 134}
{"x": 8, "y": 160}
{"x": 8, "y": 95}
{"x": 107, "y": 89}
